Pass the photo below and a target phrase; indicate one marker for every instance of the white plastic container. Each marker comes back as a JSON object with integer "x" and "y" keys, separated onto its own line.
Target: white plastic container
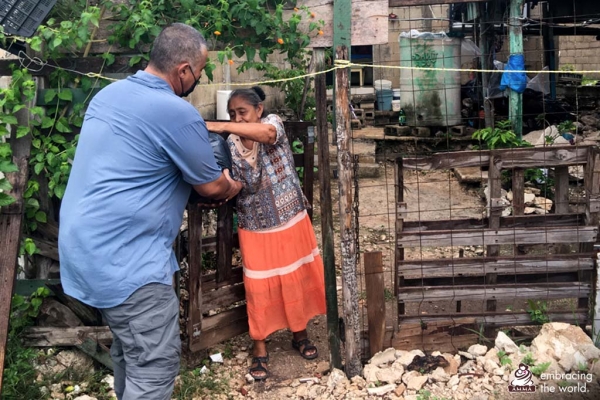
{"x": 382, "y": 84}
{"x": 222, "y": 99}
{"x": 396, "y": 105}
{"x": 396, "y": 93}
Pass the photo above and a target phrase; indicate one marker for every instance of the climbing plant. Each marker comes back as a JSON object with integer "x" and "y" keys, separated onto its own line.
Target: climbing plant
{"x": 250, "y": 30}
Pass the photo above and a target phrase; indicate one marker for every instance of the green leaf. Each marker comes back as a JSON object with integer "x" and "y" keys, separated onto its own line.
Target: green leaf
{"x": 22, "y": 131}
{"x": 9, "y": 119}
{"x": 38, "y": 168}
{"x": 59, "y": 191}
{"x": 134, "y": 60}
{"x": 8, "y": 166}
{"x": 32, "y": 203}
{"x": 5, "y": 185}
{"x": 6, "y": 200}
{"x": 109, "y": 58}
{"x": 40, "y": 216}
{"x": 62, "y": 126}
{"x": 36, "y": 43}
{"x": 59, "y": 139}
{"x": 250, "y": 53}
{"x": 30, "y": 247}
{"x": 47, "y": 122}
{"x": 5, "y": 150}
{"x": 65, "y": 95}
{"x": 49, "y": 95}
{"x": 56, "y": 42}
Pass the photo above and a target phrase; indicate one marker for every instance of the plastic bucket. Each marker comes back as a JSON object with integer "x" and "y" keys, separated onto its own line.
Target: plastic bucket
{"x": 396, "y": 105}
{"x": 396, "y": 93}
{"x": 382, "y": 84}
{"x": 384, "y": 99}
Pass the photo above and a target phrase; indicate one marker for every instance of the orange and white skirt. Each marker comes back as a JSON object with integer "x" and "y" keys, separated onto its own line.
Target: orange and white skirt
{"x": 283, "y": 277}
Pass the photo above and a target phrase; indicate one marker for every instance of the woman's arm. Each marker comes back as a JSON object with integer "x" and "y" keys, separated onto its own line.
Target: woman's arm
{"x": 259, "y": 132}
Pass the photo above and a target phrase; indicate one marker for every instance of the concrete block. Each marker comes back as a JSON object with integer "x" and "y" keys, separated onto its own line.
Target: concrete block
{"x": 421, "y": 131}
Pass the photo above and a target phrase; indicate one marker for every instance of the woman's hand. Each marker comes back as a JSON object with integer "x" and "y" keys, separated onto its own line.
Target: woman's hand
{"x": 216, "y": 127}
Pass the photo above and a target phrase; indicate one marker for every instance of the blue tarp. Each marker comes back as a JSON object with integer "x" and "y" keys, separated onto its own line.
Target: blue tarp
{"x": 517, "y": 81}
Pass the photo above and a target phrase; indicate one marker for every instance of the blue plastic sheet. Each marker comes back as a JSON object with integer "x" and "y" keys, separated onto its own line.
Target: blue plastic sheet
{"x": 517, "y": 81}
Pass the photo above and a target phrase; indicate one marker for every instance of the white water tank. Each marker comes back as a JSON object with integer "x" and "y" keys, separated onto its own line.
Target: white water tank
{"x": 430, "y": 97}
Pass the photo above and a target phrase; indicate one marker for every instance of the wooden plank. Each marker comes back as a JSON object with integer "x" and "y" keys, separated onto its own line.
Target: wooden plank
{"x": 562, "y": 290}
{"x": 194, "y": 315}
{"x": 64, "y": 337}
{"x": 333, "y": 324}
{"x": 46, "y": 248}
{"x": 375, "y": 287}
{"x": 513, "y": 221}
{"x": 222, "y": 297}
{"x": 592, "y": 217}
{"x": 347, "y": 223}
{"x": 25, "y": 287}
{"x": 368, "y": 24}
{"x": 11, "y": 220}
{"x": 88, "y": 315}
{"x": 561, "y": 195}
{"x": 491, "y": 319}
{"x": 442, "y": 341}
{"x": 441, "y": 268}
{"x": 222, "y": 326}
{"x": 97, "y": 351}
{"x": 485, "y": 237}
{"x": 209, "y": 281}
{"x": 528, "y": 157}
{"x": 224, "y": 241}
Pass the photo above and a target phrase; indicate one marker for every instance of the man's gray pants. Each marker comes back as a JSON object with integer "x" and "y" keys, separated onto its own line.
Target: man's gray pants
{"x": 146, "y": 347}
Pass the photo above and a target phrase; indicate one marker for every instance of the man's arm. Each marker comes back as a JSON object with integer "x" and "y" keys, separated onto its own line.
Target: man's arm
{"x": 223, "y": 188}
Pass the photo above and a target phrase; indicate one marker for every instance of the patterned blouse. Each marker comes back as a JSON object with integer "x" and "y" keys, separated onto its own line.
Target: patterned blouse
{"x": 272, "y": 194}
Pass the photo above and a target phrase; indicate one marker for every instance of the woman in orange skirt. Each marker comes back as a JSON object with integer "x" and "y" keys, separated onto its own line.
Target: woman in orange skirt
{"x": 283, "y": 271}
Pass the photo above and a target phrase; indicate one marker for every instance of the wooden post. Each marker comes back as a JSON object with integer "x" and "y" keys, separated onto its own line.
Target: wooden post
{"x": 342, "y": 19}
{"x": 347, "y": 228}
{"x": 194, "y": 316}
{"x": 486, "y": 38}
{"x": 375, "y": 300}
{"x": 515, "y": 34}
{"x": 592, "y": 218}
{"x": 561, "y": 197}
{"x": 518, "y": 190}
{"x": 224, "y": 241}
{"x": 333, "y": 323}
{"x": 11, "y": 221}
{"x": 495, "y": 189}
{"x": 399, "y": 253}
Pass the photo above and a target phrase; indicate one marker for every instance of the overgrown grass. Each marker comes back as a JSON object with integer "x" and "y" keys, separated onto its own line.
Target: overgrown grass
{"x": 205, "y": 385}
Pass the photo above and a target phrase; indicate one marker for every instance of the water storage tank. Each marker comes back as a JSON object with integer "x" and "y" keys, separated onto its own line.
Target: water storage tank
{"x": 430, "y": 98}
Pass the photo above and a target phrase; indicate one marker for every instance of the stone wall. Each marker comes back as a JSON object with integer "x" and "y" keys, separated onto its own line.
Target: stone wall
{"x": 582, "y": 52}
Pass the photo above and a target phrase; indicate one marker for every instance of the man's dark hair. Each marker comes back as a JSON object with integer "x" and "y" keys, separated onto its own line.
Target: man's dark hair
{"x": 176, "y": 44}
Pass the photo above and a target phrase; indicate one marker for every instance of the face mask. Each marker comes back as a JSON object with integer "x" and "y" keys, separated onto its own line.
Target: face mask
{"x": 191, "y": 89}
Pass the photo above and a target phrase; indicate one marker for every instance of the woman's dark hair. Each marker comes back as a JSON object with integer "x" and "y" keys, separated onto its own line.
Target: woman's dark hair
{"x": 253, "y": 96}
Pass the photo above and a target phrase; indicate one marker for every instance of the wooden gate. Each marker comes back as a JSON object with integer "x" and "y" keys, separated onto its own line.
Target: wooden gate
{"x": 216, "y": 310}
{"x": 495, "y": 277}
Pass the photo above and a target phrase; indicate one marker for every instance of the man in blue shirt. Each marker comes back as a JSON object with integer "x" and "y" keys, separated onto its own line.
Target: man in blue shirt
{"x": 141, "y": 150}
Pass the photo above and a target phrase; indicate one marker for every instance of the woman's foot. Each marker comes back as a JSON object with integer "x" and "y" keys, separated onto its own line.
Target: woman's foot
{"x": 258, "y": 370}
{"x": 301, "y": 343}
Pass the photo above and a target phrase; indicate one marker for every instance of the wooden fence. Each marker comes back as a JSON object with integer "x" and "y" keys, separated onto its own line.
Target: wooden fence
{"x": 493, "y": 278}
{"x": 216, "y": 310}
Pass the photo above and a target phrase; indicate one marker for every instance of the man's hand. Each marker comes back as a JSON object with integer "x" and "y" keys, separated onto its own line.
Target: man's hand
{"x": 235, "y": 185}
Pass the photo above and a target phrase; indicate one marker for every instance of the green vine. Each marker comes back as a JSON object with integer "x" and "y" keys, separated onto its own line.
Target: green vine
{"x": 250, "y": 30}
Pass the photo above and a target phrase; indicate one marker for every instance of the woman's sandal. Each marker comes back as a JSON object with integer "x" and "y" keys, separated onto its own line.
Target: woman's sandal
{"x": 259, "y": 368}
{"x": 308, "y": 346}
